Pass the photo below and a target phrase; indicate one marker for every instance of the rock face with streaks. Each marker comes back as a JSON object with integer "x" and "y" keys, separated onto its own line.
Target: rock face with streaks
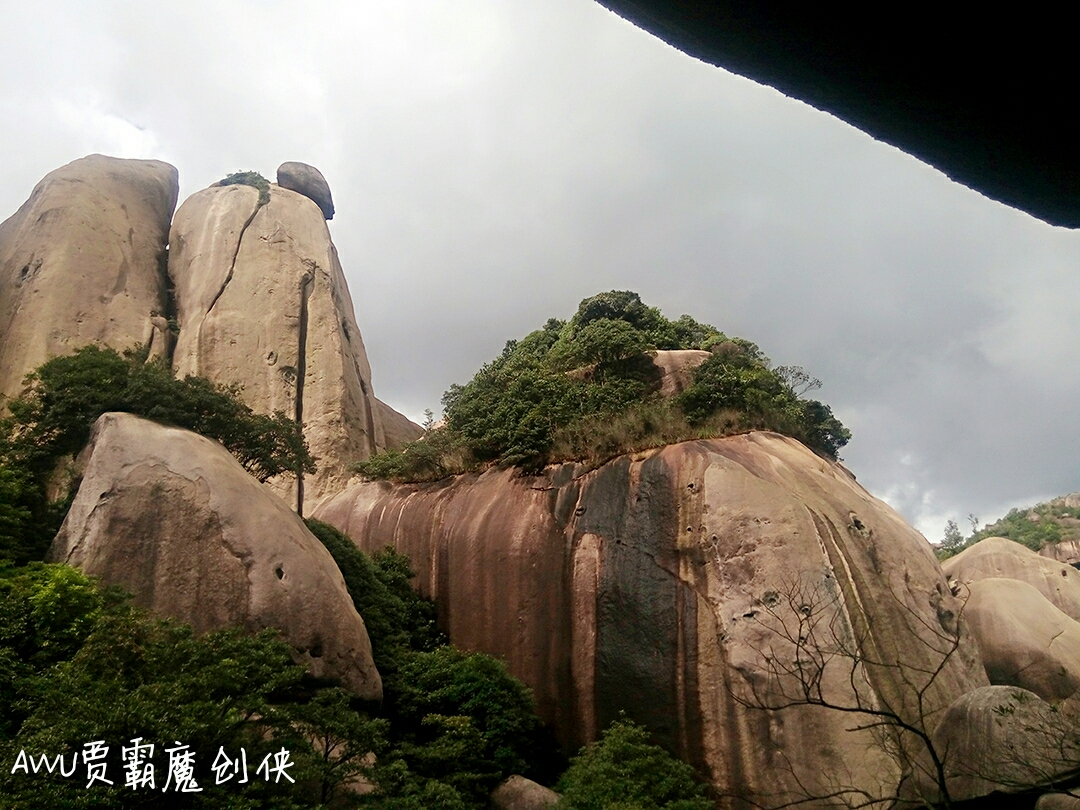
{"x": 173, "y": 518}
{"x": 81, "y": 262}
{"x": 656, "y": 585}
{"x": 262, "y": 301}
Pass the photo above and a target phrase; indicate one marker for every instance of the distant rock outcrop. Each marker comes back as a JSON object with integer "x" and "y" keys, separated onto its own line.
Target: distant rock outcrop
{"x": 309, "y": 181}
{"x": 646, "y": 586}
{"x": 262, "y": 301}
{"x": 677, "y": 369}
{"x": 999, "y": 557}
{"x": 1024, "y": 610}
{"x": 173, "y": 518}
{"x": 82, "y": 262}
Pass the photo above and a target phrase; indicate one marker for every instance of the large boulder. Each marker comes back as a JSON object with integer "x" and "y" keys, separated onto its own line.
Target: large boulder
{"x": 262, "y": 301}
{"x": 1001, "y": 739}
{"x": 82, "y": 262}
{"x": 677, "y": 367}
{"x": 999, "y": 557}
{"x": 659, "y": 585}
{"x": 519, "y": 793}
{"x": 309, "y": 181}
{"x": 173, "y": 518}
{"x": 1024, "y": 640}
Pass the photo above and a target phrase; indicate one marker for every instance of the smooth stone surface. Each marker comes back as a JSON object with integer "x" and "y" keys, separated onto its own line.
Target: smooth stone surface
{"x": 519, "y": 793}
{"x": 81, "y": 263}
{"x": 309, "y": 181}
{"x": 262, "y": 302}
{"x": 173, "y": 518}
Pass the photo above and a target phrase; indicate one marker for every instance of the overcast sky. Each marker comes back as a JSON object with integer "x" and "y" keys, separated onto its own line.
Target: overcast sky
{"x": 493, "y": 162}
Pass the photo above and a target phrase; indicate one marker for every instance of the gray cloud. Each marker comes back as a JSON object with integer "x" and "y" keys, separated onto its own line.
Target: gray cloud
{"x": 494, "y": 162}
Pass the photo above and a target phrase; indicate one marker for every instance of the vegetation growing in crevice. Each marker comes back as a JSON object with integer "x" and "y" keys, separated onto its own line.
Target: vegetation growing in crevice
{"x": 586, "y": 389}
{"x": 251, "y": 178}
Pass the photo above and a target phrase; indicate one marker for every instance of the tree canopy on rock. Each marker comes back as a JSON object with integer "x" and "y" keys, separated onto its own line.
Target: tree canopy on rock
{"x": 587, "y": 389}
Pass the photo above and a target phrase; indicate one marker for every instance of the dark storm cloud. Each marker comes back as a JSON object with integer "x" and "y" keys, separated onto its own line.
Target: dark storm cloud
{"x": 494, "y": 162}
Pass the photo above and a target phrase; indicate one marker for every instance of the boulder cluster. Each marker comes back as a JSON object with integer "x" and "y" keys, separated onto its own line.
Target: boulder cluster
{"x": 766, "y": 618}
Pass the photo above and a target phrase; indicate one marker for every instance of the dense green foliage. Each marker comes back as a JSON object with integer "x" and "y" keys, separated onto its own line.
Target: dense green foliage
{"x": 79, "y": 665}
{"x": 398, "y": 621}
{"x": 458, "y": 722}
{"x": 67, "y": 394}
{"x": 625, "y": 771}
{"x": 1034, "y": 527}
{"x": 587, "y": 389}
{"x": 253, "y": 179}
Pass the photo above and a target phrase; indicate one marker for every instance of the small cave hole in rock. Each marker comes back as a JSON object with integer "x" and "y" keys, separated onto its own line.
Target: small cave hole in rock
{"x": 857, "y": 523}
{"x": 316, "y": 649}
{"x": 279, "y": 572}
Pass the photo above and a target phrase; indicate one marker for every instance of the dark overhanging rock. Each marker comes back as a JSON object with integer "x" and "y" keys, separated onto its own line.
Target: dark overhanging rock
{"x": 981, "y": 98}
{"x": 307, "y": 180}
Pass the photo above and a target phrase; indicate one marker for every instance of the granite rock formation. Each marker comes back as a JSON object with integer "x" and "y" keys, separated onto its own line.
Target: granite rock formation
{"x": 309, "y": 181}
{"x": 262, "y": 301}
{"x": 1024, "y": 640}
{"x": 999, "y": 557}
{"x": 519, "y": 793}
{"x": 1004, "y": 739}
{"x": 677, "y": 369}
{"x": 1024, "y": 611}
{"x": 173, "y": 518}
{"x": 647, "y": 585}
{"x": 81, "y": 262}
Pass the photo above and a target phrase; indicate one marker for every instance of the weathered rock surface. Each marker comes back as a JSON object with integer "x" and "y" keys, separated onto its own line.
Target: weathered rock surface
{"x": 998, "y": 557}
{"x": 1058, "y": 801}
{"x": 262, "y": 301}
{"x": 1067, "y": 552}
{"x": 309, "y": 181}
{"x": 653, "y": 583}
{"x": 1000, "y": 738}
{"x": 81, "y": 262}
{"x": 1024, "y": 640}
{"x": 173, "y": 518}
{"x": 397, "y": 428}
{"x": 677, "y": 369}
{"x": 519, "y": 793}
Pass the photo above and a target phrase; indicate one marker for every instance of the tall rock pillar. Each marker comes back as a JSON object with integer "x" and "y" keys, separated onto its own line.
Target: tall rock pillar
{"x": 262, "y": 301}
{"x": 82, "y": 262}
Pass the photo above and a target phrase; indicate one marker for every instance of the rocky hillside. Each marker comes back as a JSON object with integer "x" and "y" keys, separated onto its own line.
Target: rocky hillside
{"x": 666, "y": 585}
{"x": 243, "y": 286}
{"x": 743, "y": 598}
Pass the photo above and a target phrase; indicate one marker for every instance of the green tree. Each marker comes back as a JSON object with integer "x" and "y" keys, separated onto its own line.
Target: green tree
{"x": 626, "y": 770}
{"x": 953, "y": 541}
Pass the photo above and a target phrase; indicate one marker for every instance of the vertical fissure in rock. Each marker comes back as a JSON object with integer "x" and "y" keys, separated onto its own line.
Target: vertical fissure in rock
{"x": 369, "y": 409}
{"x": 236, "y": 253}
{"x": 306, "y": 283}
{"x": 172, "y": 335}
